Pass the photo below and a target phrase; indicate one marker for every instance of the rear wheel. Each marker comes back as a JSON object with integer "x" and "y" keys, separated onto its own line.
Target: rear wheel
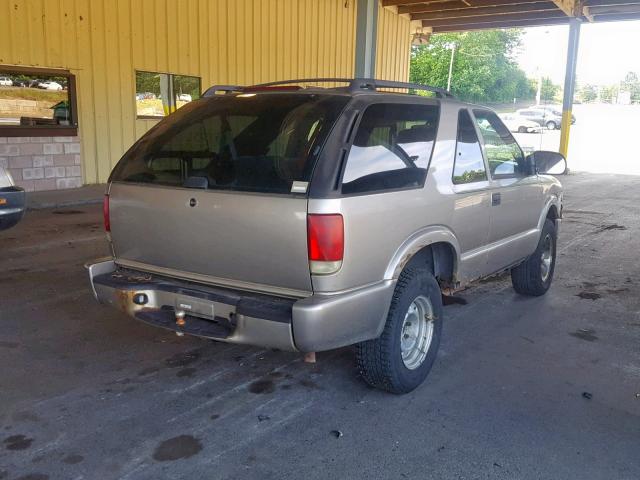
{"x": 401, "y": 358}
{"x": 533, "y": 276}
{"x": 522, "y": 129}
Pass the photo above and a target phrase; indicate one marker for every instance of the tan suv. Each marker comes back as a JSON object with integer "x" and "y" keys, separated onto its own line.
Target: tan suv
{"x": 312, "y": 218}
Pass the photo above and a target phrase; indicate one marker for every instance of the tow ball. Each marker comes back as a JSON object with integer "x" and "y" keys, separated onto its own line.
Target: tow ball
{"x": 180, "y": 321}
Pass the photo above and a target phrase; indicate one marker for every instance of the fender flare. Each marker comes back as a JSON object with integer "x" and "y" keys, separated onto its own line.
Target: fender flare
{"x": 416, "y": 242}
{"x": 552, "y": 201}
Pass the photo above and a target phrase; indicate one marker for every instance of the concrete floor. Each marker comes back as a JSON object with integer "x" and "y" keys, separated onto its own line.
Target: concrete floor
{"x": 86, "y": 392}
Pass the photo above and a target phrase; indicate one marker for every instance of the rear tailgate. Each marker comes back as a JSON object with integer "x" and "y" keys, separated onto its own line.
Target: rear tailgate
{"x": 216, "y": 192}
{"x": 252, "y": 241}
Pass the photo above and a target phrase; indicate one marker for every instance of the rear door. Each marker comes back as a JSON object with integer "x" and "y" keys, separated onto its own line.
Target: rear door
{"x": 217, "y": 193}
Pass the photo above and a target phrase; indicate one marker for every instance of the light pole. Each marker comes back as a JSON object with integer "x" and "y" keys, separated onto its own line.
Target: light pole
{"x": 453, "y": 51}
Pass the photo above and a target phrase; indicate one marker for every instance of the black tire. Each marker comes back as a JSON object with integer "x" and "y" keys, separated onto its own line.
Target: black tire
{"x": 522, "y": 129}
{"x": 528, "y": 278}
{"x": 380, "y": 361}
{"x": 551, "y": 125}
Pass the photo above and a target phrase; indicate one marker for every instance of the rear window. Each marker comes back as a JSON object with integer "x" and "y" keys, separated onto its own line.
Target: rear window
{"x": 391, "y": 149}
{"x": 248, "y": 142}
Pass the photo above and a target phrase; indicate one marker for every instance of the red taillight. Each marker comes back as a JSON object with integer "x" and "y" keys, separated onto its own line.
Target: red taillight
{"x": 325, "y": 237}
{"x": 105, "y": 213}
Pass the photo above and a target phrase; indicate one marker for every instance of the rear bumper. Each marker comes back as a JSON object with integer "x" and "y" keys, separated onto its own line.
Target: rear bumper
{"x": 12, "y": 206}
{"x": 315, "y": 323}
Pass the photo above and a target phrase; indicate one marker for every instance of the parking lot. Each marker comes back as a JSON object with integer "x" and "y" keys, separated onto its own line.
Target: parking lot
{"x": 535, "y": 388}
{"x": 600, "y": 142}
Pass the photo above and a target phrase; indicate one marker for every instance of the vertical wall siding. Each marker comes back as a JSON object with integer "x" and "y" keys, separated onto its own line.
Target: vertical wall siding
{"x": 393, "y": 46}
{"x": 103, "y": 42}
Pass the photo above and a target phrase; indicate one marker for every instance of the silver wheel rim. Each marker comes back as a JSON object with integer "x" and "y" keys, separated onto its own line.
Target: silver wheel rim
{"x": 546, "y": 258}
{"x": 417, "y": 332}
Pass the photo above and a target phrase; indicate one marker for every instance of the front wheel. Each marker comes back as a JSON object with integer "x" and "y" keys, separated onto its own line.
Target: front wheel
{"x": 551, "y": 125}
{"x": 401, "y": 358}
{"x": 522, "y": 129}
{"x": 533, "y": 276}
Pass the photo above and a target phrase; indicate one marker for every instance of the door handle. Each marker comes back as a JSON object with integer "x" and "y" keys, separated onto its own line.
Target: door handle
{"x": 495, "y": 199}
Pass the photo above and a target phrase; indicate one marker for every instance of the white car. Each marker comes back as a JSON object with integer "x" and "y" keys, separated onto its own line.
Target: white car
{"x": 6, "y": 82}
{"x": 51, "y": 86}
{"x": 184, "y": 97}
{"x": 518, "y": 123}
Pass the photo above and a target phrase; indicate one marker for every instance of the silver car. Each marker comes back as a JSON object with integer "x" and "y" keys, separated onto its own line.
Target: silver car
{"x": 12, "y": 201}
{"x": 308, "y": 219}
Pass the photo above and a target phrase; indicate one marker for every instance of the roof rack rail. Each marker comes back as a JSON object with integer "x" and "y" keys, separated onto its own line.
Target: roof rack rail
{"x": 373, "y": 84}
{"x": 355, "y": 84}
{"x": 213, "y": 90}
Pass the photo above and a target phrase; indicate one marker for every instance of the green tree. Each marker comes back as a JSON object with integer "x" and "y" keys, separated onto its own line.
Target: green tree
{"x": 549, "y": 91}
{"x": 609, "y": 93}
{"x": 631, "y": 84}
{"x": 483, "y": 66}
{"x": 588, "y": 93}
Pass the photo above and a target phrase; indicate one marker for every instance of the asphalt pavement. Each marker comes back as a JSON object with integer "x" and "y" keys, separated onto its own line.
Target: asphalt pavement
{"x": 523, "y": 388}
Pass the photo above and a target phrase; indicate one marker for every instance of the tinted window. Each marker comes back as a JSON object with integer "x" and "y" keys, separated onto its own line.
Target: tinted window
{"x": 250, "y": 142}
{"x": 392, "y": 148}
{"x": 468, "y": 164}
{"x": 503, "y": 153}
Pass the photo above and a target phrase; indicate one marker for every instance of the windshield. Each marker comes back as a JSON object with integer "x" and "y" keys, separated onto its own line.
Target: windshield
{"x": 249, "y": 142}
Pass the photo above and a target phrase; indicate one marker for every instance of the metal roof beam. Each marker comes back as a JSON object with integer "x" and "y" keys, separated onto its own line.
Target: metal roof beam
{"x": 496, "y": 12}
{"x": 501, "y": 24}
{"x": 458, "y": 4}
{"x": 502, "y": 19}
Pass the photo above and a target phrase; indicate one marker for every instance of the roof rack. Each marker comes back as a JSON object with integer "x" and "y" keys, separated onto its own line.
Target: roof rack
{"x": 355, "y": 85}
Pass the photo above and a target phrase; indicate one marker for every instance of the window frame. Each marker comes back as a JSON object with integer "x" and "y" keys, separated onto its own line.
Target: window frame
{"x": 362, "y": 110}
{"x": 483, "y": 147}
{"x": 477, "y": 184}
{"x": 44, "y": 130}
{"x": 172, "y": 104}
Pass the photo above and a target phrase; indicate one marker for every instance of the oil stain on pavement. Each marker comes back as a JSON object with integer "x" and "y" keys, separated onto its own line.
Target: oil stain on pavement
{"x": 176, "y": 448}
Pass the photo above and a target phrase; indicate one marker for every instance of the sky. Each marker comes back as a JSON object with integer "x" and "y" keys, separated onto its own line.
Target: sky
{"x": 607, "y": 52}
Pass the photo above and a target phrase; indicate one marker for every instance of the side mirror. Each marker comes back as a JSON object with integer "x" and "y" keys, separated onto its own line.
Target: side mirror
{"x": 551, "y": 163}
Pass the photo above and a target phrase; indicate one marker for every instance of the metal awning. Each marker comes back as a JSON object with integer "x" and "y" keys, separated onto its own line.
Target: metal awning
{"x": 462, "y": 15}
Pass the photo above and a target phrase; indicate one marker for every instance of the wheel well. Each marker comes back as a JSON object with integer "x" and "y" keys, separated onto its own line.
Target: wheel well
{"x": 439, "y": 258}
{"x": 552, "y": 214}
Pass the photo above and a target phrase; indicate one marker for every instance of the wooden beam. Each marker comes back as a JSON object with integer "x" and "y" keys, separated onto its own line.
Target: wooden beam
{"x": 395, "y": 3}
{"x": 501, "y": 24}
{"x": 506, "y": 18}
{"x": 457, "y": 4}
{"x": 606, "y": 3}
{"x": 612, "y": 10}
{"x": 620, "y": 17}
{"x": 569, "y": 7}
{"x": 484, "y": 11}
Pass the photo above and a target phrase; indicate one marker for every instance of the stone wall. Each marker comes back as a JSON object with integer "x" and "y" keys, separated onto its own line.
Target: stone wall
{"x": 42, "y": 163}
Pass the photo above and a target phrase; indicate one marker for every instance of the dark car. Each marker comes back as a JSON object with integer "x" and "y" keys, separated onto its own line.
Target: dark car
{"x": 12, "y": 201}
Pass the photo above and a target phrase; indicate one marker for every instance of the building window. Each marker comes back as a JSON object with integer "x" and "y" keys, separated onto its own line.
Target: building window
{"x": 37, "y": 102}
{"x": 159, "y": 94}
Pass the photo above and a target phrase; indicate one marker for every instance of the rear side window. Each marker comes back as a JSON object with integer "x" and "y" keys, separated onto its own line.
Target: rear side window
{"x": 250, "y": 142}
{"x": 468, "y": 165}
{"x": 504, "y": 156}
{"x": 391, "y": 149}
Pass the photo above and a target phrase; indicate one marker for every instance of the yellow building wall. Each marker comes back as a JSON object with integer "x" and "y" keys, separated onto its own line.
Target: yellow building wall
{"x": 103, "y": 42}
